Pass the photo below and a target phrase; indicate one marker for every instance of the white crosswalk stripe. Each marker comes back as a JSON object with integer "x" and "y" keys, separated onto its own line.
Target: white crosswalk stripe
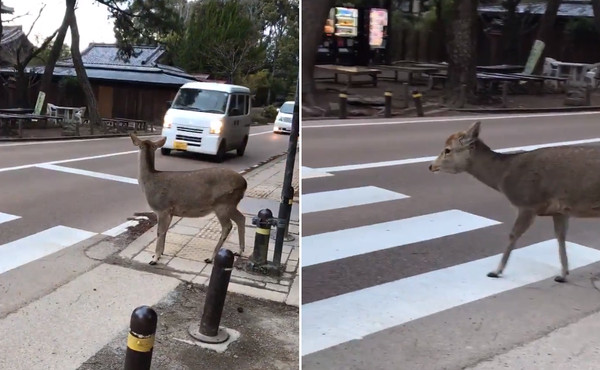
{"x": 336, "y": 199}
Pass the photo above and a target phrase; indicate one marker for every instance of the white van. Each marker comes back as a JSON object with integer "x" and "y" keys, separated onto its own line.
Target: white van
{"x": 210, "y": 118}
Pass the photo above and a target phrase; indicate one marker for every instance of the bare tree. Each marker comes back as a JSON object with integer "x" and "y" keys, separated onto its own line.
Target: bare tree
{"x": 312, "y": 31}
{"x": 95, "y": 119}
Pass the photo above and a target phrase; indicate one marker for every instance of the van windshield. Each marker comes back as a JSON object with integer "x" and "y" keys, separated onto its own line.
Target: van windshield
{"x": 201, "y": 100}
{"x": 287, "y": 108}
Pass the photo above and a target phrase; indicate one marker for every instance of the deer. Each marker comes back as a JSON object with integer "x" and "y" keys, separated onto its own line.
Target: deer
{"x": 561, "y": 182}
{"x": 192, "y": 194}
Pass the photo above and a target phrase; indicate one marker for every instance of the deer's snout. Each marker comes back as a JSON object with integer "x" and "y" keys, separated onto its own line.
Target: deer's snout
{"x": 434, "y": 168}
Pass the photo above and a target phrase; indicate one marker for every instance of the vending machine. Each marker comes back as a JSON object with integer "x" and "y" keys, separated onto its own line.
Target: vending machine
{"x": 346, "y": 32}
{"x": 378, "y": 37}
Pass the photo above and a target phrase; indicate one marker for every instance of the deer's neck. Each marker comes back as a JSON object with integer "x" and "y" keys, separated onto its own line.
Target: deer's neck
{"x": 488, "y": 166}
{"x": 146, "y": 166}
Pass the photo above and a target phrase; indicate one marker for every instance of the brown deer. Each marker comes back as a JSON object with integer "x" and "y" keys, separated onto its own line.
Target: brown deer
{"x": 561, "y": 182}
{"x": 190, "y": 194}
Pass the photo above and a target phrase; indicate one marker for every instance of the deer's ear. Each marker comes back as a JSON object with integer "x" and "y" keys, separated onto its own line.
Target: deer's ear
{"x": 472, "y": 132}
{"x": 160, "y": 142}
{"x": 136, "y": 141}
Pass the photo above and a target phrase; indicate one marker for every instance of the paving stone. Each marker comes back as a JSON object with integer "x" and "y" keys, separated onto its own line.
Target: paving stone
{"x": 270, "y": 295}
{"x": 186, "y": 265}
{"x": 186, "y": 230}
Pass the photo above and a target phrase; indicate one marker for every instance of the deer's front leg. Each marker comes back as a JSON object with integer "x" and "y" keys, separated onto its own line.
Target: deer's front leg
{"x": 522, "y": 223}
{"x": 164, "y": 221}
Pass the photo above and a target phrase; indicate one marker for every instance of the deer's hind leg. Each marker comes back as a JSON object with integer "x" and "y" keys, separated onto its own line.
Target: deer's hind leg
{"x": 164, "y": 221}
{"x": 522, "y": 223}
{"x": 226, "y": 226}
{"x": 561, "y": 225}
{"x": 240, "y": 221}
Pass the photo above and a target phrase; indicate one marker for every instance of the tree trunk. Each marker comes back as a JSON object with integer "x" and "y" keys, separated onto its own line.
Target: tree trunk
{"x": 462, "y": 48}
{"x": 510, "y": 32}
{"x": 92, "y": 107}
{"x": 545, "y": 32}
{"x": 312, "y": 32}
{"x": 55, "y": 52}
{"x": 596, "y": 8}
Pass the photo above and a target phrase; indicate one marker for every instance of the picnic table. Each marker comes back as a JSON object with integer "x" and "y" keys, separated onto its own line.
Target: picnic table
{"x": 501, "y": 68}
{"x": 410, "y": 69}
{"x": 10, "y": 120}
{"x": 125, "y": 124}
{"x": 350, "y": 71}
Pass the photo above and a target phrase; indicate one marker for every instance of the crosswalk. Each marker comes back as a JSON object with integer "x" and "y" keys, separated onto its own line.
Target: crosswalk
{"x": 43, "y": 243}
{"x": 337, "y": 319}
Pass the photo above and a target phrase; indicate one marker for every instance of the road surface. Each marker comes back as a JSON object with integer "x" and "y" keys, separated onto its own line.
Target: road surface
{"x": 395, "y": 258}
{"x": 57, "y": 194}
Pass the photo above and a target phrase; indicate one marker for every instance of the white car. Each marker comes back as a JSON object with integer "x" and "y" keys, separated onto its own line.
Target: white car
{"x": 283, "y": 121}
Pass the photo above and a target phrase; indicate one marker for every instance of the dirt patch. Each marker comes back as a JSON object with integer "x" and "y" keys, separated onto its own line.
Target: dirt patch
{"x": 268, "y": 335}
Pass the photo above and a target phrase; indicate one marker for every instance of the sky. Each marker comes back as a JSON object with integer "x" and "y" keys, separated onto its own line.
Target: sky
{"x": 92, "y": 21}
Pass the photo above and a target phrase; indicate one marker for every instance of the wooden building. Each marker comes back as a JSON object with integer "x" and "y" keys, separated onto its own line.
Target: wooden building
{"x": 135, "y": 89}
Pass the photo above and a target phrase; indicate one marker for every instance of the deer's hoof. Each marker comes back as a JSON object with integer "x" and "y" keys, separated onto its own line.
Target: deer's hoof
{"x": 560, "y": 279}
{"x": 493, "y": 275}
{"x": 208, "y": 260}
{"x": 237, "y": 254}
{"x": 152, "y": 263}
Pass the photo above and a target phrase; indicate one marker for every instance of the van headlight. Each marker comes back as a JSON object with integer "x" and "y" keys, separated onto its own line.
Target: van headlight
{"x": 216, "y": 126}
{"x": 167, "y": 122}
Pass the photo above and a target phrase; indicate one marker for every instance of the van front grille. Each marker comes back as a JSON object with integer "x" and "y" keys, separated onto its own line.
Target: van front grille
{"x": 189, "y": 139}
{"x": 192, "y": 130}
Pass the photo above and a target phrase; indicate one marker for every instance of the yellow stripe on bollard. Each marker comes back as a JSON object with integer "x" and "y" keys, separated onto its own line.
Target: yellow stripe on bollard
{"x": 260, "y": 230}
{"x": 388, "y": 93}
{"x": 344, "y": 96}
{"x": 418, "y": 95}
{"x": 140, "y": 344}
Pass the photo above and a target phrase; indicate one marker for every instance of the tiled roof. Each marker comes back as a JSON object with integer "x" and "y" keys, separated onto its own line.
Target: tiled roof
{"x": 6, "y": 9}
{"x": 11, "y": 33}
{"x": 107, "y": 54}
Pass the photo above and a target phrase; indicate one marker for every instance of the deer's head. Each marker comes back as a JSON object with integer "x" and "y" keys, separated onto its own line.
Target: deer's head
{"x": 147, "y": 145}
{"x": 456, "y": 155}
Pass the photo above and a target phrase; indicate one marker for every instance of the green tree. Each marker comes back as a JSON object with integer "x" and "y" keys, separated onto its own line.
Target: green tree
{"x": 221, "y": 38}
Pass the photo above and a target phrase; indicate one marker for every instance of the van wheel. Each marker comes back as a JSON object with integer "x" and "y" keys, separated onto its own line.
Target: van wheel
{"x": 165, "y": 151}
{"x": 242, "y": 148}
{"x": 220, "y": 156}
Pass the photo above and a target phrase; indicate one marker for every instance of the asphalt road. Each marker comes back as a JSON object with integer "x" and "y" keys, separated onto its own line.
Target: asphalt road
{"x": 397, "y": 278}
{"x": 56, "y": 194}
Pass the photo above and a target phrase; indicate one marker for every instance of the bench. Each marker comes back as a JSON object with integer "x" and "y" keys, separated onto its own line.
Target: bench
{"x": 350, "y": 71}
{"x": 125, "y": 124}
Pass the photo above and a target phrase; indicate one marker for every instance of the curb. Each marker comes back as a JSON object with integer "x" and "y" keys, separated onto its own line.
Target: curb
{"x": 262, "y": 163}
{"x": 529, "y": 110}
{"x": 62, "y": 138}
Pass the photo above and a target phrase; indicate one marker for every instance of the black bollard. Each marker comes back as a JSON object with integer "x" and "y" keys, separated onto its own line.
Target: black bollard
{"x": 504, "y": 94}
{"x": 140, "y": 341}
{"x": 208, "y": 331}
{"x": 263, "y": 222}
{"x": 417, "y": 99}
{"x": 388, "y": 104}
{"x": 343, "y": 107}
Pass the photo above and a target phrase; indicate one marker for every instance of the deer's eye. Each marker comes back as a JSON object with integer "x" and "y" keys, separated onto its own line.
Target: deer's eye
{"x": 446, "y": 151}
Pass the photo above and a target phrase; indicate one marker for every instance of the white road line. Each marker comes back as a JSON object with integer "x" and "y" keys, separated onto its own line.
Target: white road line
{"x": 261, "y": 133}
{"x": 345, "y": 243}
{"x": 310, "y": 173}
{"x": 5, "y": 217}
{"x": 120, "y": 229}
{"x": 307, "y": 125}
{"x": 35, "y": 246}
{"x": 99, "y": 175}
{"x": 401, "y": 162}
{"x": 5, "y": 169}
{"x": 335, "y": 199}
{"x": 354, "y": 315}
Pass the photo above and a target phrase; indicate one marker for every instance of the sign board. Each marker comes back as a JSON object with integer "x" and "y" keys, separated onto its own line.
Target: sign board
{"x": 534, "y": 55}
{"x": 40, "y": 103}
{"x": 377, "y": 26}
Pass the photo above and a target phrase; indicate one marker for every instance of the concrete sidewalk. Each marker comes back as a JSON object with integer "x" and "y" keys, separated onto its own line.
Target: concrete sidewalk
{"x": 190, "y": 241}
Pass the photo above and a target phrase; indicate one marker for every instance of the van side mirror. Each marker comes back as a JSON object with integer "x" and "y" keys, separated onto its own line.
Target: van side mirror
{"x": 169, "y": 103}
